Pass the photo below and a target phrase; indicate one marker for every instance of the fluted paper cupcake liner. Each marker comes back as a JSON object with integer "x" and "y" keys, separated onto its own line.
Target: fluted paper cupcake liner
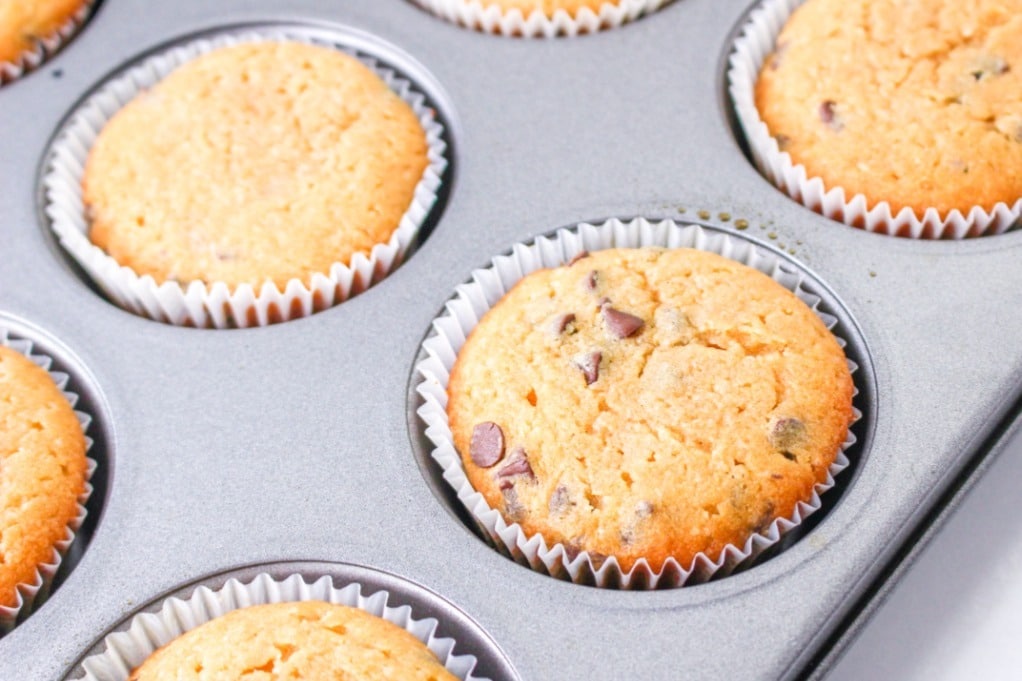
{"x": 215, "y": 304}
{"x": 45, "y": 46}
{"x": 754, "y": 44}
{"x": 490, "y": 18}
{"x": 489, "y": 285}
{"x": 31, "y": 593}
{"x": 149, "y": 631}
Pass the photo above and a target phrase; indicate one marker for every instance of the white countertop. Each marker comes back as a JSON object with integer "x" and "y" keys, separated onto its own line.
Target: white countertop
{"x": 957, "y": 613}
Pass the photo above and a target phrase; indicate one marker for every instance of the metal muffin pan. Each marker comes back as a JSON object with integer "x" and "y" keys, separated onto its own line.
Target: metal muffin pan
{"x": 298, "y": 442}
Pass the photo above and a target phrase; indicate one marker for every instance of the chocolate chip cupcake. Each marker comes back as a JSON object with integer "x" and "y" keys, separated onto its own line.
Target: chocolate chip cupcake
{"x": 924, "y": 123}
{"x": 540, "y": 18}
{"x": 284, "y": 628}
{"x": 263, "y": 176}
{"x": 647, "y": 415}
{"x": 30, "y": 30}
{"x": 43, "y": 480}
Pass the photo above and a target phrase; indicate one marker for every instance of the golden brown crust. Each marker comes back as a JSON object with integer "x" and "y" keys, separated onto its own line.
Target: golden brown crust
{"x": 24, "y": 22}
{"x": 265, "y": 161}
{"x": 305, "y": 640}
{"x": 42, "y": 470}
{"x": 915, "y": 103}
{"x": 715, "y": 416}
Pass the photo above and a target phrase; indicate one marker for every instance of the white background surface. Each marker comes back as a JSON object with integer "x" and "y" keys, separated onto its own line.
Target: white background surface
{"x": 957, "y": 614}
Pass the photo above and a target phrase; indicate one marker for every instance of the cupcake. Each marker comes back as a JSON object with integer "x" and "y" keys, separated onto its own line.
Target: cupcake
{"x": 261, "y": 179}
{"x": 306, "y": 640}
{"x": 32, "y": 29}
{"x": 540, "y": 18}
{"x": 286, "y": 628}
{"x": 913, "y": 107}
{"x": 636, "y": 416}
{"x": 43, "y": 471}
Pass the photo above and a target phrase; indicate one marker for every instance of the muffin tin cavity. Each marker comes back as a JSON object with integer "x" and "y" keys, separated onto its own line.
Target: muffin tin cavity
{"x": 458, "y": 642}
{"x": 218, "y": 304}
{"x": 84, "y": 397}
{"x": 751, "y": 43}
{"x": 441, "y": 465}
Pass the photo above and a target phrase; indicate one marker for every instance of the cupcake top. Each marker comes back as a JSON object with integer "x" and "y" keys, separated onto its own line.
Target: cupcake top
{"x": 263, "y": 161}
{"x": 23, "y": 23}
{"x": 42, "y": 470}
{"x": 303, "y": 640}
{"x": 915, "y": 103}
{"x": 648, "y": 403}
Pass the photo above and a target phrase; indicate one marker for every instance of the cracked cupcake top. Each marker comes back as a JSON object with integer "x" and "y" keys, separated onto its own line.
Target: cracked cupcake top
{"x": 303, "y": 640}
{"x": 648, "y": 403}
{"x": 916, "y": 103}
{"x": 262, "y": 161}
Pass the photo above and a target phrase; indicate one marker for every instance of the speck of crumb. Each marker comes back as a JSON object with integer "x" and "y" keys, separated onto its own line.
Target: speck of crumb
{"x": 724, "y": 217}
{"x": 682, "y": 209}
{"x": 798, "y": 243}
{"x": 872, "y": 273}
{"x": 704, "y": 215}
{"x": 791, "y": 250}
{"x": 741, "y": 224}
{"x": 57, "y": 73}
{"x": 762, "y": 226}
{"x": 772, "y": 235}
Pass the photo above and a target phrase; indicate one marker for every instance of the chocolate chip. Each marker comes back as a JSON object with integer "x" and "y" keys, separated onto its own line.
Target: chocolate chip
{"x": 517, "y": 464}
{"x": 787, "y": 433}
{"x": 578, "y": 256}
{"x": 591, "y": 280}
{"x": 828, "y": 114}
{"x": 589, "y": 363}
{"x": 560, "y": 500}
{"x": 513, "y": 508}
{"x": 789, "y": 456}
{"x": 621, "y": 324}
{"x": 561, "y": 322}
{"x": 487, "y": 445}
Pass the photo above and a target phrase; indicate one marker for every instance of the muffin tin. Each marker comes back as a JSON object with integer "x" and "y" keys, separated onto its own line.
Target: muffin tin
{"x": 295, "y": 448}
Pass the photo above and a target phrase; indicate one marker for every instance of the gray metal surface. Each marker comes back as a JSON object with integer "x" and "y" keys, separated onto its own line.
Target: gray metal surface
{"x": 291, "y": 443}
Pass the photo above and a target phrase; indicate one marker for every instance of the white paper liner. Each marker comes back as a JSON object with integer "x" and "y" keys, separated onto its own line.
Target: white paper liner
{"x": 754, "y": 44}
{"x": 489, "y": 285}
{"x": 215, "y": 304}
{"x": 45, "y": 46}
{"x": 30, "y": 593}
{"x": 148, "y": 631}
{"x": 476, "y": 15}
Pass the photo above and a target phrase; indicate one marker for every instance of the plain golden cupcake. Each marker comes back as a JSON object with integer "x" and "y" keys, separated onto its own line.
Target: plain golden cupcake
{"x": 304, "y": 640}
{"x": 918, "y": 104}
{"x": 42, "y": 470}
{"x": 23, "y": 23}
{"x": 648, "y": 403}
{"x": 265, "y": 161}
